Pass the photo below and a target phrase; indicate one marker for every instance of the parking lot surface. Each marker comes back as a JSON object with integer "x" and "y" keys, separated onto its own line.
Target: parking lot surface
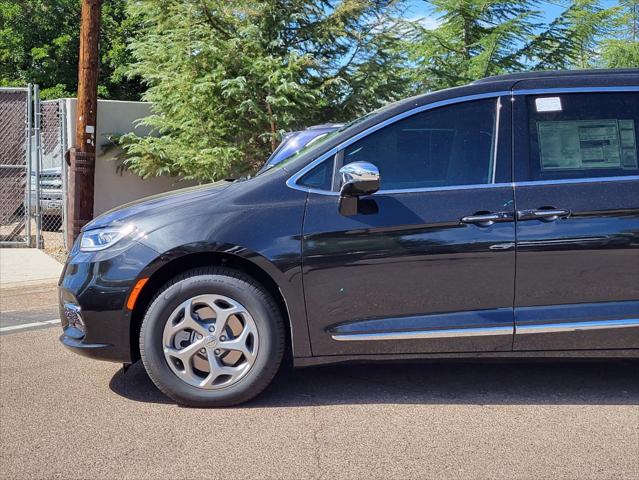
{"x": 64, "y": 416}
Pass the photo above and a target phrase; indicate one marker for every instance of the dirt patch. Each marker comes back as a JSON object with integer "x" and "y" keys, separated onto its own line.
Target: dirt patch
{"x": 54, "y": 245}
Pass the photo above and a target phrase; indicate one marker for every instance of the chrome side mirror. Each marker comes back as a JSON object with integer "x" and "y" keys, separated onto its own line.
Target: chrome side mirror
{"x": 358, "y": 178}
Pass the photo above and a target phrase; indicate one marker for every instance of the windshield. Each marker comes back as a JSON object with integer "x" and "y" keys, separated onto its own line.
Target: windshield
{"x": 292, "y": 142}
{"x": 315, "y": 143}
{"x": 323, "y": 139}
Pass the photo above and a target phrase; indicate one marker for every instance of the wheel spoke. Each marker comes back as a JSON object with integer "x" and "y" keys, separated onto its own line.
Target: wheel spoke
{"x": 187, "y": 321}
{"x": 223, "y": 315}
{"x": 218, "y": 368}
{"x": 185, "y": 353}
{"x": 239, "y": 343}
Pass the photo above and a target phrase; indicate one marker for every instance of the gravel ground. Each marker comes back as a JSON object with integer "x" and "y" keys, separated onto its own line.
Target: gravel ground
{"x": 65, "y": 416}
{"x": 54, "y": 245}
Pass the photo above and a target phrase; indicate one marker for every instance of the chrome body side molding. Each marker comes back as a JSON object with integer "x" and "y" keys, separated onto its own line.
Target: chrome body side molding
{"x": 424, "y": 334}
{"x": 576, "y": 326}
{"x": 482, "y": 331}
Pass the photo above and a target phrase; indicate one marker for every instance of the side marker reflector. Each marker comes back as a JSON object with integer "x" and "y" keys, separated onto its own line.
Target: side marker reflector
{"x": 130, "y": 304}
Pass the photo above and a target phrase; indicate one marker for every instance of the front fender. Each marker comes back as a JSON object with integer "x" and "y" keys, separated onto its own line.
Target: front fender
{"x": 269, "y": 237}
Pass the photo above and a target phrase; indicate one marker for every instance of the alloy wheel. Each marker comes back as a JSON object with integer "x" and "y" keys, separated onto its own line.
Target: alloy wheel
{"x": 210, "y": 341}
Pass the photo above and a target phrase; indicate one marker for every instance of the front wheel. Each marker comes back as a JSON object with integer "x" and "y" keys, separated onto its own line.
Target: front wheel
{"x": 212, "y": 337}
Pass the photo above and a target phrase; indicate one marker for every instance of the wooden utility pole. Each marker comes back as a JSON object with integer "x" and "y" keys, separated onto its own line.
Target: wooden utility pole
{"x": 82, "y": 157}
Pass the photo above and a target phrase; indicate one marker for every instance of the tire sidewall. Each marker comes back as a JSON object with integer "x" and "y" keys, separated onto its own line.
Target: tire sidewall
{"x": 151, "y": 339}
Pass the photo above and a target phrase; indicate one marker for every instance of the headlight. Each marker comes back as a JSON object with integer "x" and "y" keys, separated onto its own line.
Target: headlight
{"x": 101, "y": 238}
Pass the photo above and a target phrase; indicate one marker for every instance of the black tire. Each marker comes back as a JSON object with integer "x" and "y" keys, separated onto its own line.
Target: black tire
{"x": 221, "y": 281}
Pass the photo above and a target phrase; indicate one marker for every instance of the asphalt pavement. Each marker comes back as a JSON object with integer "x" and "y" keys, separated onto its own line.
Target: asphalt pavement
{"x": 65, "y": 416}
{"x": 28, "y": 290}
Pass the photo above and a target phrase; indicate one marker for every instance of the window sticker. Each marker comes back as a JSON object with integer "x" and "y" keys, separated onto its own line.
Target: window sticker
{"x": 628, "y": 144}
{"x": 548, "y": 104}
{"x": 629, "y": 159}
{"x": 587, "y": 144}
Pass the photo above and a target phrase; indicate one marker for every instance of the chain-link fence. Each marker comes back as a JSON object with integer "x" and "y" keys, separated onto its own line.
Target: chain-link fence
{"x": 32, "y": 171}
{"x": 16, "y": 127}
{"x": 52, "y": 177}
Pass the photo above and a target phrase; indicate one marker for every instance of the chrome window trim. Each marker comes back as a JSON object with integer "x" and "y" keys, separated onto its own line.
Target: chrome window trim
{"x": 424, "y": 334}
{"x": 576, "y": 326}
{"x": 531, "y": 183}
{"x": 292, "y": 180}
{"x": 474, "y": 186}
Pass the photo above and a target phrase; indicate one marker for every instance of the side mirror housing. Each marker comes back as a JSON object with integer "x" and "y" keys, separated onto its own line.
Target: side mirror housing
{"x": 358, "y": 178}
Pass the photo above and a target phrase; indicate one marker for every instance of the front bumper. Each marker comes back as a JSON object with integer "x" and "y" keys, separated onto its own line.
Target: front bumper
{"x": 98, "y": 284}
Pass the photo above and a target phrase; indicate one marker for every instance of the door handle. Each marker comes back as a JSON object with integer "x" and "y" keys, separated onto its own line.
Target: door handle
{"x": 546, "y": 214}
{"x": 486, "y": 219}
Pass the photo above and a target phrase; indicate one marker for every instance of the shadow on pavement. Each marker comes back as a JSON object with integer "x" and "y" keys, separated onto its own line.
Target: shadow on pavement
{"x": 495, "y": 383}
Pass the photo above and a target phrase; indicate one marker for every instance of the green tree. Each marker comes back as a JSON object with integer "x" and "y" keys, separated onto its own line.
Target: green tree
{"x": 478, "y": 38}
{"x": 474, "y": 39}
{"x": 39, "y": 43}
{"x": 227, "y": 78}
{"x": 573, "y": 39}
{"x": 622, "y": 48}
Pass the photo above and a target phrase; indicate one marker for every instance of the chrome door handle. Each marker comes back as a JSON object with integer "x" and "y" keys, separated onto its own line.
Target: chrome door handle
{"x": 545, "y": 214}
{"x": 487, "y": 219}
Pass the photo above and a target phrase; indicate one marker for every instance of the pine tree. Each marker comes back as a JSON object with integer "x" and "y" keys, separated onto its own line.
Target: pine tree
{"x": 474, "y": 39}
{"x": 573, "y": 39}
{"x": 622, "y": 50}
{"x": 227, "y": 78}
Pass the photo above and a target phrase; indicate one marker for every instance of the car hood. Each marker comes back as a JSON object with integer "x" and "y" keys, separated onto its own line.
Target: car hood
{"x": 146, "y": 209}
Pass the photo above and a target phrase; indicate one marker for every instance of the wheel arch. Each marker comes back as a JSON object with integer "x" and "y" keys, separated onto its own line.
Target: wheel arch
{"x": 187, "y": 261}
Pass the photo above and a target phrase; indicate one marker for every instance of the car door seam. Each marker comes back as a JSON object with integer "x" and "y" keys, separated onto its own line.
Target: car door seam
{"x": 308, "y": 328}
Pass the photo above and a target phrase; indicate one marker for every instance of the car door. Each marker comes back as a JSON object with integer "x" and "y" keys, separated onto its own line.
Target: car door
{"x": 406, "y": 274}
{"x": 577, "y": 201}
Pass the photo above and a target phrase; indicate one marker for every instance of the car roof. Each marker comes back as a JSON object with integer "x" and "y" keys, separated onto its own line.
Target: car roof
{"x": 543, "y": 74}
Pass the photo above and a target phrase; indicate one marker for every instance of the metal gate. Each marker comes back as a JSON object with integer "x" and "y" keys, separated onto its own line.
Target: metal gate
{"x": 16, "y": 132}
{"x": 33, "y": 173}
{"x": 52, "y": 184}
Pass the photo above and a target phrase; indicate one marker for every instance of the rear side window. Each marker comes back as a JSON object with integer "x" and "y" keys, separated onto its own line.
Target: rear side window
{"x": 582, "y": 135}
{"x": 447, "y": 146}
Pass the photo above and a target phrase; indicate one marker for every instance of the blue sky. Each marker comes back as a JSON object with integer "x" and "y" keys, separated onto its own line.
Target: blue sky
{"x": 420, "y": 8}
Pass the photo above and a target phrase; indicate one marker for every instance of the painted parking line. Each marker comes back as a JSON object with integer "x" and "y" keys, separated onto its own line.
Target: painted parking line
{"x": 26, "y": 326}
{"x": 39, "y": 307}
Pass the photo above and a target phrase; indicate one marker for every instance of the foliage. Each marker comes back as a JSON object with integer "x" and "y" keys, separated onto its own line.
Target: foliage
{"x": 573, "y": 39}
{"x": 39, "y": 43}
{"x": 474, "y": 39}
{"x": 226, "y": 80}
{"x": 478, "y": 38}
{"x": 622, "y": 49}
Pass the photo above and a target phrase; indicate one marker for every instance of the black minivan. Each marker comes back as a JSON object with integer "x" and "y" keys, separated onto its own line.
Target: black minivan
{"x": 498, "y": 219}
